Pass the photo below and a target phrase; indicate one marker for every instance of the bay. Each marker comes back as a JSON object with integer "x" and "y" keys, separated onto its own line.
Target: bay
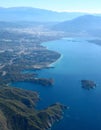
{"x": 79, "y": 60}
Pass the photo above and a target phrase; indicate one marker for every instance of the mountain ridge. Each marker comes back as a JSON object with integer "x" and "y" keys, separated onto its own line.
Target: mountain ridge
{"x": 86, "y": 24}
{"x": 35, "y": 14}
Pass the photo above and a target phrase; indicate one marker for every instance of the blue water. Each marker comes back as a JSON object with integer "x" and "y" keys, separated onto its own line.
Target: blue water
{"x": 80, "y": 60}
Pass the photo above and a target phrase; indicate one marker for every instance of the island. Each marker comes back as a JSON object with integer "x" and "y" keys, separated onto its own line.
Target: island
{"x": 88, "y": 84}
{"x": 18, "y": 111}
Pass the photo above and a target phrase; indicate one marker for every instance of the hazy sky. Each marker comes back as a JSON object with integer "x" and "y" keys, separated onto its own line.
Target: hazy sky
{"x": 57, "y": 5}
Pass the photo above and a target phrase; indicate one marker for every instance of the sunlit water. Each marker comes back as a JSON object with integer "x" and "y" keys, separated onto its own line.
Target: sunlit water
{"x": 79, "y": 60}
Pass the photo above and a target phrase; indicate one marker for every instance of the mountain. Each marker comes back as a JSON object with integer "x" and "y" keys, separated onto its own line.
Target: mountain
{"x": 35, "y": 14}
{"x": 86, "y": 24}
{"x": 17, "y": 111}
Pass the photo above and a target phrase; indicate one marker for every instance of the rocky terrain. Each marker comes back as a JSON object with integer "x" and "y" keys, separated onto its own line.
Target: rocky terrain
{"x": 17, "y": 111}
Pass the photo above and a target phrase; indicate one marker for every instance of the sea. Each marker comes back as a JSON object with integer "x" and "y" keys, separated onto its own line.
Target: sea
{"x": 80, "y": 60}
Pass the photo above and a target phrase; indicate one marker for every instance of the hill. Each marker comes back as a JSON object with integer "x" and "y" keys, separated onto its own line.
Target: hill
{"x": 17, "y": 111}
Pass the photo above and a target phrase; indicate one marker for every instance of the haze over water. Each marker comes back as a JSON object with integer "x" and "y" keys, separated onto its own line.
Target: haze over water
{"x": 80, "y": 60}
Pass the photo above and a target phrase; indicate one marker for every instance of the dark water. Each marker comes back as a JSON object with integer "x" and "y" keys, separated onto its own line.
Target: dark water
{"x": 80, "y": 60}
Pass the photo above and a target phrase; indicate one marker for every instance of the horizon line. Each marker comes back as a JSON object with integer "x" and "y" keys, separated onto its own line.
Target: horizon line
{"x": 59, "y": 11}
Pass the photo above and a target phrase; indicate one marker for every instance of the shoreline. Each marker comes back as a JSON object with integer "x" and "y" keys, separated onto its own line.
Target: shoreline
{"x": 58, "y": 60}
{"x": 55, "y": 62}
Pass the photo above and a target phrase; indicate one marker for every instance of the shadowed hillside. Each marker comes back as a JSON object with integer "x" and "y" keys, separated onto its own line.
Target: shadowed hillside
{"x": 85, "y": 25}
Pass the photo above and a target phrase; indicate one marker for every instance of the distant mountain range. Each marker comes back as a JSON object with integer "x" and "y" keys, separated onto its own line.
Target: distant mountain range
{"x": 72, "y": 23}
{"x": 35, "y": 14}
{"x": 87, "y": 24}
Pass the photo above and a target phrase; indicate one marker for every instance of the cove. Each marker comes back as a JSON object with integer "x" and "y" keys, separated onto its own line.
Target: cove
{"x": 79, "y": 60}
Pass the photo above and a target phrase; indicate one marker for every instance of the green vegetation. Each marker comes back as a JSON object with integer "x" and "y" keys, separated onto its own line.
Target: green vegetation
{"x": 20, "y": 50}
{"x": 17, "y": 111}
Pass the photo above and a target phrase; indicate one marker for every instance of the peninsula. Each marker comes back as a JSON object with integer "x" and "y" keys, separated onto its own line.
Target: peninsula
{"x": 17, "y": 111}
{"x": 21, "y": 50}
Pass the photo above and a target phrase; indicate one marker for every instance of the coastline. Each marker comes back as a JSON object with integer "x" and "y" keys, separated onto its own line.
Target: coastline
{"x": 55, "y": 62}
{"x": 58, "y": 60}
